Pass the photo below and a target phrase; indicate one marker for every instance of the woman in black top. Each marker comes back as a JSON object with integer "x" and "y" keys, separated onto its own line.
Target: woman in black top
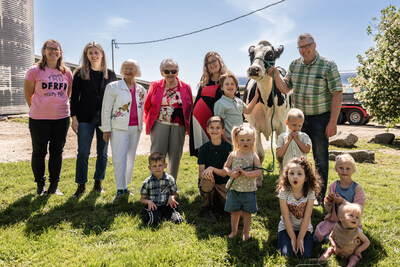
{"x": 90, "y": 80}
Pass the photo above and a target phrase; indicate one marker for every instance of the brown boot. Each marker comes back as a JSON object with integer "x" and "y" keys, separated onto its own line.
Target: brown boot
{"x": 97, "y": 186}
{"x": 80, "y": 190}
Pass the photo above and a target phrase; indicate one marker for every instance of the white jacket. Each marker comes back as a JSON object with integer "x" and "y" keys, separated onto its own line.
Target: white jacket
{"x": 115, "y": 112}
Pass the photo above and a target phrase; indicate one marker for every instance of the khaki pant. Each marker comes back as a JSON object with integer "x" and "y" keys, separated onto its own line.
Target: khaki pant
{"x": 211, "y": 193}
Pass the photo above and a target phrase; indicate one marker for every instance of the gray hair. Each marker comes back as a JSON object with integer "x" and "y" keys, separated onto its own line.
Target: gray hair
{"x": 168, "y": 61}
{"x": 134, "y": 62}
{"x": 306, "y": 36}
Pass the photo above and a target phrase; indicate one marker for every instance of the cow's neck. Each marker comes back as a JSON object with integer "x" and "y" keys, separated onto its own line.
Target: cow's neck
{"x": 265, "y": 85}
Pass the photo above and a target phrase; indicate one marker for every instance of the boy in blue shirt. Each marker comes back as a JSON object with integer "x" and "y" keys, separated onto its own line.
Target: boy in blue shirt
{"x": 159, "y": 193}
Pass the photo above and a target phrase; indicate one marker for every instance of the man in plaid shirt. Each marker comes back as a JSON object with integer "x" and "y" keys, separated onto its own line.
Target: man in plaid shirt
{"x": 317, "y": 91}
{"x": 159, "y": 192}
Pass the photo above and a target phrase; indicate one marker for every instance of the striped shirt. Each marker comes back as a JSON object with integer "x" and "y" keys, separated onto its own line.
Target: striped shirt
{"x": 313, "y": 84}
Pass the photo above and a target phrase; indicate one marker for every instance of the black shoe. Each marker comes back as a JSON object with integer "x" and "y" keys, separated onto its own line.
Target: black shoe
{"x": 97, "y": 186}
{"x": 40, "y": 188}
{"x": 120, "y": 194}
{"x": 80, "y": 190}
{"x": 53, "y": 189}
{"x": 209, "y": 215}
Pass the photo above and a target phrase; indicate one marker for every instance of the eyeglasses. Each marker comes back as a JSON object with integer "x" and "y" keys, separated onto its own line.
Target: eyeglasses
{"x": 305, "y": 46}
{"x": 51, "y": 49}
{"x": 211, "y": 62}
{"x": 170, "y": 71}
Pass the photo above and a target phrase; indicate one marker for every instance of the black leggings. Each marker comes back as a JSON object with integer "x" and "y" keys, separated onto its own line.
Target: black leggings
{"x": 54, "y": 134}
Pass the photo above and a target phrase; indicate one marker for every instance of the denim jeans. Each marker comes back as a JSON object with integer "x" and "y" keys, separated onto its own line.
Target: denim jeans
{"x": 315, "y": 126}
{"x": 85, "y": 136}
{"x": 52, "y": 133}
{"x": 285, "y": 244}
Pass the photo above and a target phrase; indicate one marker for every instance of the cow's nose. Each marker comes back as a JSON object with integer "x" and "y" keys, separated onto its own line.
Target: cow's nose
{"x": 253, "y": 71}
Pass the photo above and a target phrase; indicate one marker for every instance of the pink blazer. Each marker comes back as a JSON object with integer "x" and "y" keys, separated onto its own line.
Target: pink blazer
{"x": 153, "y": 103}
{"x": 326, "y": 226}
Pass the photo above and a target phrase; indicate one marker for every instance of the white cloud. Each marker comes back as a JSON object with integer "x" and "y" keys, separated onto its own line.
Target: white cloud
{"x": 274, "y": 22}
{"x": 117, "y": 23}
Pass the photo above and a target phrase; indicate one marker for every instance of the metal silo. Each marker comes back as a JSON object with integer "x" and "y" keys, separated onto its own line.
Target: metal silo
{"x": 16, "y": 53}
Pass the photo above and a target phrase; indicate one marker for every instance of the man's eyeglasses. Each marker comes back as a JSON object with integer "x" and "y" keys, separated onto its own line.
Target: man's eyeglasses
{"x": 170, "y": 71}
{"x": 211, "y": 62}
{"x": 305, "y": 46}
{"x": 51, "y": 49}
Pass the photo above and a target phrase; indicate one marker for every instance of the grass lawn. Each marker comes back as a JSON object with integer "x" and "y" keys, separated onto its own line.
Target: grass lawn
{"x": 93, "y": 231}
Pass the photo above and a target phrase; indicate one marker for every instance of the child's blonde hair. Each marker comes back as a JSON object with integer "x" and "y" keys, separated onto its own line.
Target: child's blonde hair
{"x": 295, "y": 113}
{"x": 345, "y": 158}
{"x": 346, "y": 207}
{"x": 239, "y": 130}
{"x": 312, "y": 179}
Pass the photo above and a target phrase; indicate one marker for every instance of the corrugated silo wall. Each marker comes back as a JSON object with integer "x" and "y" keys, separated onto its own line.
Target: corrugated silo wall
{"x": 16, "y": 53}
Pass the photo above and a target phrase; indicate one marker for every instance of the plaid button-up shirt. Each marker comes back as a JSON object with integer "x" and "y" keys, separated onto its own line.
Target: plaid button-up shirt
{"x": 159, "y": 190}
{"x": 313, "y": 84}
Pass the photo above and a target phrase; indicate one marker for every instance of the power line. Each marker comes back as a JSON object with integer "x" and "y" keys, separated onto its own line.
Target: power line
{"x": 197, "y": 31}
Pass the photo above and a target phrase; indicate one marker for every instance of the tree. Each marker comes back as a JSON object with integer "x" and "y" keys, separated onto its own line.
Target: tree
{"x": 379, "y": 73}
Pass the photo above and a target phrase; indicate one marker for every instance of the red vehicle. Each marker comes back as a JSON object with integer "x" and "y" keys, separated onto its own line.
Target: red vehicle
{"x": 352, "y": 110}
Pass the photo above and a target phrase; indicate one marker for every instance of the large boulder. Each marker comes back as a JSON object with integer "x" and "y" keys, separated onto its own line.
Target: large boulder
{"x": 358, "y": 155}
{"x": 382, "y": 138}
{"x": 343, "y": 139}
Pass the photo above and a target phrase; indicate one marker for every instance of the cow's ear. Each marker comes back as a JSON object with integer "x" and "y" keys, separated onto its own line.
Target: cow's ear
{"x": 251, "y": 53}
{"x": 279, "y": 51}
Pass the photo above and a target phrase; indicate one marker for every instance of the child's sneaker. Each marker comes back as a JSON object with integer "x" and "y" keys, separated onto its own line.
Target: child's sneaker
{"x": 176, "y": 217}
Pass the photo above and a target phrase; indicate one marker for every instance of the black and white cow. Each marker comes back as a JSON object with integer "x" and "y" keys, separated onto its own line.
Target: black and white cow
{"x": 261, "y": 57}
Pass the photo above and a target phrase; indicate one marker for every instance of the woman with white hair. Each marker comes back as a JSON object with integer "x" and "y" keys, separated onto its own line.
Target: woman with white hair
{"x": 121, "y": 122}
{"x": 167, "y": 114}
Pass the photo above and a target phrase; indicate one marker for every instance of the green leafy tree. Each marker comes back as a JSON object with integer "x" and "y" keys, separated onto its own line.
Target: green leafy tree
{"x": 379, "y": 72}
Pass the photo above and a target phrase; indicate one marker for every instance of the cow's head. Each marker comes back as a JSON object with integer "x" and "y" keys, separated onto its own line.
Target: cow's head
{"x": 262, "y": 57}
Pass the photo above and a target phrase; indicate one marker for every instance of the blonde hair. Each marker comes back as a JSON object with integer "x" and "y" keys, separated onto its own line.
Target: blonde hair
{"x": 345, "y": 158}
{"x": 348, "y": 207}
{"x": 205, "y": 78}
{"x": 84, "y": 69}
{"x": 60, "y": 62}
{"x": 295, "y": 113}
{"x": 242, "y": 130}
{"x": 134, "y": 62}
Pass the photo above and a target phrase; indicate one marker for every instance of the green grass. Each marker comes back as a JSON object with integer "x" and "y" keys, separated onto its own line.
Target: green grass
{"x": 93, "y": 231}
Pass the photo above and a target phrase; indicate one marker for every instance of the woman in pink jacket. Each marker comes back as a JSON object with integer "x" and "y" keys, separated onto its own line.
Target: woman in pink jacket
{"x": 167, "y": 113}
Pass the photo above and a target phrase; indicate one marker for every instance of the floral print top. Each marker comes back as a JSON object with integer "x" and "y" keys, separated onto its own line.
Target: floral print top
{"x": 171, "y": 111}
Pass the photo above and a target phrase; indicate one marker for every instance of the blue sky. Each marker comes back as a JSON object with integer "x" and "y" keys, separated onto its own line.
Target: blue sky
{"x": 339, "y": 28}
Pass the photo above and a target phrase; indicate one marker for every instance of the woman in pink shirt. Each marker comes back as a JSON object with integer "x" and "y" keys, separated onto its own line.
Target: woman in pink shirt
{"x": 47, "y": 89}
{"x": 167, "y": 114}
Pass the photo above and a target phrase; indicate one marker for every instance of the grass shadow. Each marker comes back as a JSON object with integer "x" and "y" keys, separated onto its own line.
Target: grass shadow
{"x": 22, "y": 209}
{"x": 83, "y": 213}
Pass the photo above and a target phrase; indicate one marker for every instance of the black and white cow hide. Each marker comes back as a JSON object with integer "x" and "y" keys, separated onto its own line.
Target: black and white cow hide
{"x": 261, "y": 57}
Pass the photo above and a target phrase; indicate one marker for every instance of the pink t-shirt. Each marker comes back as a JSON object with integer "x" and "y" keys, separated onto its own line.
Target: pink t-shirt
{"x": 133, "y": 119}
{"x": 50, "y": 99}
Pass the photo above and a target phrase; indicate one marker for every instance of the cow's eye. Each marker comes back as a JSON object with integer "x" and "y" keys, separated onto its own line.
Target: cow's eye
{"x": 269, "y": 56}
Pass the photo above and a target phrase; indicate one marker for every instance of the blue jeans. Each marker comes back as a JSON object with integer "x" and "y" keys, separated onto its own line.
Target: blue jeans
{"x": 51, "y": 134}
{"x": 85, "y": 136}
{"x": 315, "y": 126}
{"x": 285, "y": 244}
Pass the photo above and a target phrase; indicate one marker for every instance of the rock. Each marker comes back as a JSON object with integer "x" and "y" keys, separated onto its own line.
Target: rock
{"x": 382, "y": 138}
{"x": 343, "y": 139}
{"x": 3, "y": 118}
{"x": 358, "y": 155}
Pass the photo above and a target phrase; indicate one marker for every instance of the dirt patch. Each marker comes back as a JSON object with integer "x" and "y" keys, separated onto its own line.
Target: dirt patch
{"x": 15, "y": 140}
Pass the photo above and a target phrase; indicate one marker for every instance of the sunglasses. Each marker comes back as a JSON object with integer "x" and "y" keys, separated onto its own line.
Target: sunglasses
{"x": 170, "y": 71}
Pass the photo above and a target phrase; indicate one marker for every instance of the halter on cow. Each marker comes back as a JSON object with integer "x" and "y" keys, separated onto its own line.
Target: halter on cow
{"x": 271, "y": 104}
